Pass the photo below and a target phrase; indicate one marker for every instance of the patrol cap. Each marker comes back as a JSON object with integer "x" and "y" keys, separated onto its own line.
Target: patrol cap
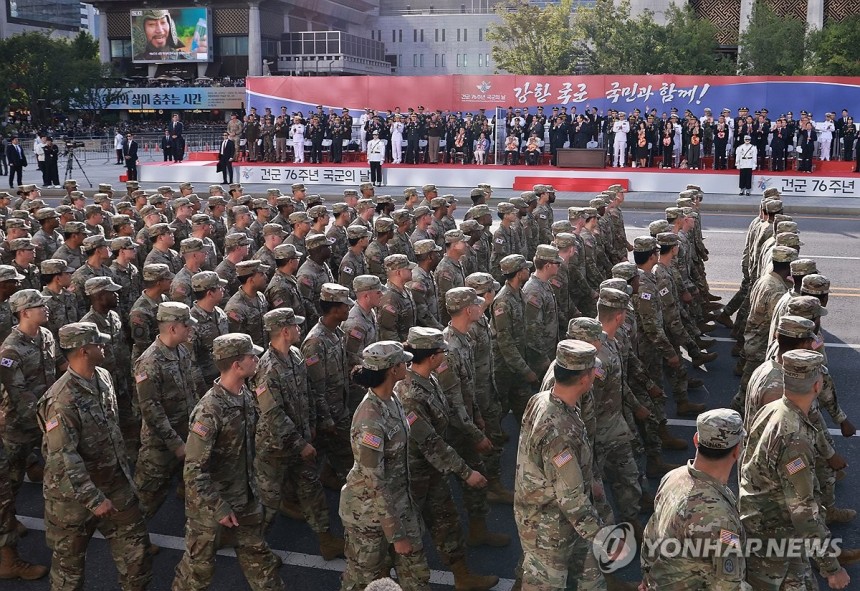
{"x": 667, "y": 239}
{"x": 206, "y": 280}
{"x": 564, "y": 240}
{"x": 796, "y": 327}
{"x": 469, "y": 227}
{"x": 561, "y": 227}
{"x": 215, "y": 201}
{"x": 815, "y": 284}
{"x": 274, "y": 191}
{"x": 246, "y": 268}
{"x": 428, "y": 189}
{"x": 540, "y": 189}
{"x": 318, "y": 211}
{"x": 92, "y": 243}
{"x": 234, "y": 344}
{"x": 158, "y": 229}
{"x": 120, "y": 220}
{"x": 587, "y": 213}
{"x": 333, "y": 292}
{"x": 547, "y": 252}
{"x": 401, "y": 216}
{"x": 644, "y": 244}
{"x": 393, "y": 262}
{"x": 297, "y": 187}
{"x": 788, "y": 239}
{"x": 26, "y": 299}
{"x": 801, "y": 365}
{"x": 576, "y": 355}
{"x": 772, "y": 206}
{"x": 438, "y": 202}
{"x": 380, "y": 199}
{"x": 55, "y": 267}
{"x": 75, "y": 195}
{"x": 122, "y": 243}
{"x": 357, "y": 231}
{"x": 506, "y": 207}
{"x": 420, "y": 211}
{"x": 156, "y": 199}
{"x": 157, "y": 272}
{"x": 452, "y": 236}
{"x": 384, "y": 354}
{"x": 684, "y": 202}
{"x": 190, "y": 245}
{"x": 107, "y": 187}
{"x": 81, "y": 334}
{"x": 318, "y": 241}
{"x": 477, "y": 211}
{"x": 519, "y": 202}
{"x": 201, "y": 219}
{"x": 339, "y": 207}
{"x": 613, "y": 298}
{"x": 410, "y": 191}
{"x": 584, "y": 328}
{"x": 181, "y": 202}
{"x": 803, "y": 267}
{"x": 514, "y": 263}
{"x": 149, "y": 210}
{"x": 673, "y": 213}
{"x": 274, "y": 230}
{"x": 24, "y": 244}
{"x": 806, "y": 306}
{"x": 486, "y": 187}
{"x": 186, "y": 185}
{"x": 459, "y": 298}
{"x": 46, "y": 213}
{"x": 426, "y": 246}
{"x": 235, "y": 239}
{"x": 21, "y": 214}
{"x": 658, "y": 226}
{"x": 93, "y": 209}
{"x": 237, "y": 187}
{"x": 786, "y": 227}
{"x": 784, "y": 254}
{"x": 619, "y": 284}
{"x": 528, "y": 196}
{"x": 281, "y": 317}
{"x": 366, "y": 283}
{"x": 771, "y": 193}
{"x": 351, "y": 192}
{"x": 597, "y": 202}
{"x": 423, "y": 338}
{"x": 476, "y": 192}
{"x": 164, "y": 189}
{"x": 781, "y": 217}
{"x": 720, "y": 428}
{"x": 241, "y": 209}
{"x": 482, "y": 283}
{"x": 62, "y": 210}
{"x": 260, "y": 203}
{"x": 383, "y": 225}
{"x": 74, "y": 183}
{"x": 363, "y": 204}
{"x": 95, "y": 285}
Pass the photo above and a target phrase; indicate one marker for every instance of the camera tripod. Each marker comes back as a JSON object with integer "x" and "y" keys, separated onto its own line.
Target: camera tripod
{"x": 71, "y": 160}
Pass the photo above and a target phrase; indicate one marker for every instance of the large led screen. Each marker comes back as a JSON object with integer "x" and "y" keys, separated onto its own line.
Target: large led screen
{"x": 170, "y": 35}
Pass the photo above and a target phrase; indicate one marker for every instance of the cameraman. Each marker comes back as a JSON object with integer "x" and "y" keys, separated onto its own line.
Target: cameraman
{"x": 50, "y": 172}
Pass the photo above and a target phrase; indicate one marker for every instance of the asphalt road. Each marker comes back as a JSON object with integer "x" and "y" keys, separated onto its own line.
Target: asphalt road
{"x": 832, "y": 241}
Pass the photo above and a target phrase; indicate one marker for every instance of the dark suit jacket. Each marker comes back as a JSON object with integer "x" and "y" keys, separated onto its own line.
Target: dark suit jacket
{"x": 130, "y": 149}
{"x": 229, "y": 151}
{"x": 13, "y": 157}
{"x": 176, "y": 128}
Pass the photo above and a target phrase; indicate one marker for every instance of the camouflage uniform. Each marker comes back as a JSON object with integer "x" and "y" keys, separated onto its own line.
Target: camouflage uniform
{"x": 340, "y": 246}
{"x": 400, "y": 244}
{"x": 540, "y": 315}
{"x": 79, "y": 279}
{"x": 129, "y": 278}
{"x": 245, "y": 315}
{"x": 180, "y": 287}
{"x": 283, "y": 292}
{"x": 226, "y": 270}
{"x": 448, "y": 275}
{"x": 73, "y": 256}
{"x": 374, "y": 256}
{"x": 422, "y": 288}
{"x": 505, "y": 242}
{"x": 396, "y": 314}
{"x": 510, "y": 351}
{"x": 311, "y": 277}
{"x": 351, "y": 266}
{"x": 543, "y": 214}
{"x": 210, "y": 325}
{"x": 144, "y": 327}
{"x": 360, "y": 331}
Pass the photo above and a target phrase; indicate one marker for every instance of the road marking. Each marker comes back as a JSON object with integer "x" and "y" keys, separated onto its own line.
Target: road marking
{"x": 827, "y": 345}
{"x": 437, "y": 577}
{"x": 833, "y": 294}
{"x": 691, "y": 423}
{"x": 822, "y": 256}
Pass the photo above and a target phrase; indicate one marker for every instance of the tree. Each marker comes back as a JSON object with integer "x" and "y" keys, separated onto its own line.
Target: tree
{"x": 835, "y": 49}
{"x": 611, "y": 41}
{"x": 688, "y": 45}
{"x": 772, "y": 45}
{"x": 531, "y": 40}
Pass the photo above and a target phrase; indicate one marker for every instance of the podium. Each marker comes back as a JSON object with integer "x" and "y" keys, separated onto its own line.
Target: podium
{"x": 581, "y": 158}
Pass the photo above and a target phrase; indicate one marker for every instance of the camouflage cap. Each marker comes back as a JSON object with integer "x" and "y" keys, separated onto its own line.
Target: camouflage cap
{"x": 644, "y": 244}
{"x": 274, "y": 191}
{"x": 241, "y": 209}
{"x": 482, "y": 283}
{"x": 673, "y": 213}
{"x": 69, "y": 227}
{"x": 771, "y": 193}
{"x": 410, "y": 192}
{"x": 63, "y": 209}
{"x": 147, "y": 210}
{"x": 366, "y": 283}
{"x": 667, "y": 239}
{"x": 333, "y": 292}
{"x": 453, "y": 236}
{"x": 470, "y": 226}
{"x": 81, "y": 334}
{"x": 428, "y": 188}
{"x": 181, "y": 202}
{"x": 459, "y": 298}
{"x": 384, "y": 354}
{"x": 803, "y": 267}
{"x": 318, "y": 211}
{"x": 514, "y": 263}
{"x": 318, "y": 241}
{"x": 426, "y": 246}
{"x": 174, "y": 312}
{"x": 351, "y": 192}
{"x": 806, "y": 306}
{"x": 363, "y": 204}
{"x": 787, "y": 227}
{"x": 246, "y": 268}
{"x": 339, "y": 207}
{"x": 100, "y": 197}
{"x": 561, "y": 226}
{"x": 186, "y": 185}
{"x": 613, "y": 298}
{"x": 576, "y": 355}
{"x": 528, "y": 196}
{"x": 314, "y": 200}
{"x": 658, "y": 226}
{"x": 788, "y": 239}
{"x": 423, "y": 338}
{"x": 95, "y": 285}
{"x": 357, "y": 232}
{"x": 772, "y": 206}
{"x": 55, "y": 267}
{"x": 518, "y": 202}
{"x": 364, "y": 186}
{"x": 584, "y": 329}
{"x": 124, "y": 206}
{"x": 781, "y": 217}
{"x": 281, "y": 317}
{"x": 156, "y": 199}
{"x": 587, "y": 213}
{"x": 801, "y": 365}
{"x": 26, "y": 299}
{"x": 157, "y": 272}
{"x": 784, "y": 254}
{"x": 24, "y": 244}
{"x": 476, "y": 192}
{"x": 21, "y": 214}
{"x": 393, "y": 262}
{"x": 74, "y": 183}
{"x": 215, "y": 201}
{"x": 92, "y": 243}
{"x": 75, "y": 195}
{"x": 274, "y": 230}
{"x": 239, "y": 187}
{"x": 815, "y": 284}
{"x": 160, "y": 229}
{"x": 234, "y": 344}
{"x": 236, "y": 239}
{"x": 506, "y": 207}
{"x": 421, "y": 211}
{"x": 193, "y": 199}
{"x": 438, "y": 202}
{"x": 564, "y": 240}
{"x": 383, "y": 225}
{"x": 46, "y": 213}
{"x": 190, "y": 245}
{"x": 401, "y": 216}
{"x": 540, "y": 189}
{"x": 202, "y": 219}
{"x": 297, "y": 187}
{"x": 547, "y": 252}
{"x": 796, "y": 327}
{"x": 619, "y": 284}
{"x": 486, "y": 187}
{"x": 695, "y": 188}
{"x": 206, "y": 280}
{"x": 120, "y": 220}
{"x": 122, "y": 243}
{"x": 380, "y": 199}
{"x": 259, "y": 203}
{"x": 684, "y": 202}
{"x": 92, "y": 209}
{"x": 165, "y": 189}
{"x": 597, "y": 202}
{"x": 720, "y": 428}
{"x": 477, "y": 211}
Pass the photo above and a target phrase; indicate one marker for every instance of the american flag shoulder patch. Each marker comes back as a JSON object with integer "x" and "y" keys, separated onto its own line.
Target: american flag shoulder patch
{"x": 562, "y": 458}
{"x": 261, "y": 389}
{"x": 200, "y": 429}
{"x": 389, "y": 308}
{"x": 140, "y": 377}
{"x": 312, "y": 360}
{"x": 371, "y": 440}
{"x": 600, "y": 372}
{"x": 730, "y": 538}
{"x": 52, "y": 424}
{"x": 795, "y": 466}
{"x": 498, "y": 311}
{"x": 442, "y": 367}
{"x": 411, "y": 418}
{"x": 356, "y": 334}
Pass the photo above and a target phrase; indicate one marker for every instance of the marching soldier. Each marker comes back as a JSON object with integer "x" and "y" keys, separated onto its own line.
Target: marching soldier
{"x": 246, "y": 308}
{"x": 212, "y": 322}
{"x": 397, "y": 311}
{"x": 360, "y": 327}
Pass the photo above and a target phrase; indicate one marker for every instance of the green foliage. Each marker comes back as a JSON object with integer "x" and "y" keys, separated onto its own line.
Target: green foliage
{"x": 835, "y": 50}
{"x": 772, "y": 45}
{"x": 688, "y": 45}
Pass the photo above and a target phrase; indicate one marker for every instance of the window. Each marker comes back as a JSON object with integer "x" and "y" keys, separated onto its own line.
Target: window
{"x": 120, "y": 48}
{"x": 436, "y": 60}
{"x": 458, "y": 35}
{"x": 415, "y": 35}
{"x": 443, "y": 60}
{"x": 480, "y": 60}
{"x": 458, "y": 57}
{"x": 422, "y": 35}
{"x": 487, "y": 60}
{"x": 414, "y": 60}
{"x": 421, "y": 60}
{"x": 393, "y": 35}
{"x": 437, "y": 35}
{"x": 443, "y": 35}
{"x": 465, "y": 61}
{"x": 400, "y": 35}
{"x": 480, "y": 34}
{"x": 465, "y": 34}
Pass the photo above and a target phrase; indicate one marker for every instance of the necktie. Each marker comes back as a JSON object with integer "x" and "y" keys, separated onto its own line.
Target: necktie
{"x": 224, "y": 147}
{"x": 19, "y": 151}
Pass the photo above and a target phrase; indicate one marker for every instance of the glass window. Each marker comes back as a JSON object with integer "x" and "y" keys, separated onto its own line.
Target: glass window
{"x": 228, "y": 45}
{"x": 443, "y": 60}
{"x": 414, "y": 60}
{"x": 480, "y": 34}
{"x": 465, "y": 34}
{"x": 414, "y": 35}
{"x": 241, "y": 46}
{"x": 436, "y": 60}
{"x": 120, "y": 48}
{"x": 437, "y": 35}
{"x": 443, "y": 35}
{"x": 458, "y": 58}
{"x": 422, "y": 35}
{"x": 400, "y": 35}
{"x": 393, "y": 35}
{"x": 487, "y": 60}
{"x": 480, "y": 60}
{"x": 458, "y": 35}
{"x": 465, "y": 61}
{"x": 421, "y": 60}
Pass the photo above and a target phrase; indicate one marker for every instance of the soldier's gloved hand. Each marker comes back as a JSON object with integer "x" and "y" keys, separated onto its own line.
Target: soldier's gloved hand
{"x": 484, "y": 446}
{"x": 837, "y": 462}
{"x": 229, "y": 521}
{"x": 403, "y": 546}
{"x": 308, "y": 453}
{"x": 476, "y": 480}
{"x": 848, "y": 429}
{"x": 104, "y": 509}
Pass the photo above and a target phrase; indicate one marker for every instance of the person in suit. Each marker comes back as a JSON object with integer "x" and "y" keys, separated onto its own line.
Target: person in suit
{"x": 166, "y": 146}
{"x": 806, "y": 146}
{"x": 176, "y": 129}
{"x": 129, "y": 152}
{"x": 17, "y": 161}
{"x": 225, "y": 158}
